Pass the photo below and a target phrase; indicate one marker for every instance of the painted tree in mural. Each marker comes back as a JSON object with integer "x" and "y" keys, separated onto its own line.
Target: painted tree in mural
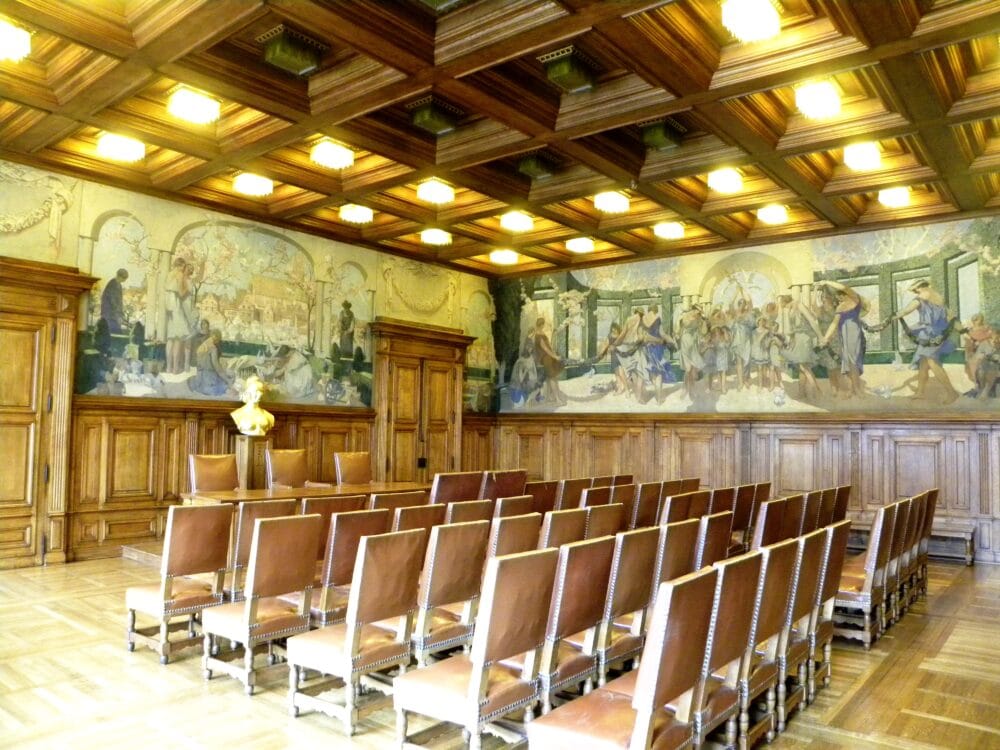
{"x": 211, "y": 252}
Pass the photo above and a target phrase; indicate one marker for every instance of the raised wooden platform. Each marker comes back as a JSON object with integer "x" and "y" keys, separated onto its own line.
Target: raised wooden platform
{"x": 950, "y": 539}
{"x": 147, "y": 553}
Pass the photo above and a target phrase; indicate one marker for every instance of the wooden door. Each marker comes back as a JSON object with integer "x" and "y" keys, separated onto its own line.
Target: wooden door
{"x": 403, "y": 419}
{"x": 24, "y": 399}
{"x": 439, "y": 417}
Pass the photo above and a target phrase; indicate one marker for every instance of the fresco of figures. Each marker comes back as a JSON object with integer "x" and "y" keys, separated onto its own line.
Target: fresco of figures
{"x": 898, "y": 320}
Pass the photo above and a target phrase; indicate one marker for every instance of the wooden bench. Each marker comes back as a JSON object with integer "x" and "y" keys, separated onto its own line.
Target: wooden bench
{"x": 944, "y": 535}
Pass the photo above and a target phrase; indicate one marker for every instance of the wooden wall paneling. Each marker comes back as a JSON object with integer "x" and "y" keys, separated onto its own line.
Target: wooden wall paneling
{"x": 836, "y": 469}
{"x": 478, "y": 443}
{"x": 132, "y": 448}
{"x": 89, "y": 463}
{"x": 799, "y": 461}
{"x": 171, "y": 460}
{"x": 961, "y": 465}
{"x": 322, "y": 437}
{"x": 875, "y": 469}
{"x": 917, "y": 461}
{"x": 440, "y": 404}
{"x": 761, "y": 456}
{"x": 728, "y": 469}
{"x": 694, "y": 454}
{"x": 856, "y": 501}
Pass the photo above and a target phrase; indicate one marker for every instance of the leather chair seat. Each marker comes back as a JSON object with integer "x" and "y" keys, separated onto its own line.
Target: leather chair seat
{"x": 720, "y": 701}
{"x": 603, "y": 719}
{"x": 187, "y": 593}
{"x": 824, "y": 631}
{"x": 444, "y": 627}
{"x": 274, "y": 617}
{"x": 572, "y": 665}
{"x": 325, "y": 649}
{"x": 762, "y": 674}
{"x": 798, "y": 651}
{"x": 441, "y": 690}
{"x": 336, "y": 606}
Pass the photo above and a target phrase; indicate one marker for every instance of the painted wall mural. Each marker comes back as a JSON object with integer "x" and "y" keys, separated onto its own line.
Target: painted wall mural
{"x": 190, "y": 302}
{"x": 897, "y": 320}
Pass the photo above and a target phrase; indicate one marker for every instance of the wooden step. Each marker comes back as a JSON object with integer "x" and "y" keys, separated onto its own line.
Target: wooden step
{"x": 147, "y": 553}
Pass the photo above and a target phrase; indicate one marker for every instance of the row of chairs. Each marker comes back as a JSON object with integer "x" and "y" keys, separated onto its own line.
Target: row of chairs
{"x": 879, "y": 584}
{"x": 282, "y": 468}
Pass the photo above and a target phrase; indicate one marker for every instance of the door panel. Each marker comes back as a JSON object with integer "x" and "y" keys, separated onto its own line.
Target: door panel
{"x": 438, "y": 418}
{"x": 404, "y": 419}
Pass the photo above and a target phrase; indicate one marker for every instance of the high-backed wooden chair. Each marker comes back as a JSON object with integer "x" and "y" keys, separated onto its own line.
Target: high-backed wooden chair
{"x": 392, "y": 500}
{"x": 513, "y": 506}
{"x": 629, "y": 712}
{"x": 792, "y": 515}
{"x": 508, "y": 483}
{"x": 514, "y": 534}
{"x": 196, "y": 542}
{"x": 768, "y": 527}
{"x": 671, "y": 487}
{"x": 841, "y": 502}
{"x": 793, "y": 651}
{"x": 893, "y": 572}
{"x": 862, "y": 590}
{"x": 288, "y": 467}
{"x": 458, "y": 485}
{"x": 759, "y": 671}
{"x": 925, "y": 539}
{"x": 418, "y": 517}
{"x": 698, "y": 504}
{"x": 246, "y": 517}
{"x": 602, "y": 481}
{"x": 624, "y": 494}
{"x": 810, "y": 514}
{"x": 646, "y": 505}
{"x": 570, "y": 491}
{"x": 325, "y": 507}
{"x": 282, "y": 562}
{"x": 905, "y": 589}
{"x": 595, "y": 496}
{"x": 723, "y": 499}
{"x": 742, "y": 508}
{"x": 675, "y": 508}
{"x": 476, "y": 689}
{"x": 213, "y": 472}
{"x": 714, "y": 532}
{"x": 562, "y": 526}
{"x": 620, "y": 479}
{"x": 353, "y": 467}
{"x": 604, "y": 520}
{"x": 821, "y": 628}
{"x": 828, "y": 499}
{"x": 469, "y": 510}
{"x": 365, "y": 642}
{"x": 690, "y": 484}
{"x": 545, "y": 495}
{"x": 452, "y": 574}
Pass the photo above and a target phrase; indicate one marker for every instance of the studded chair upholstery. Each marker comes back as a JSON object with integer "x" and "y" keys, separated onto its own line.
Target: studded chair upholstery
{"x": 353, "y": 467}
{"x": 841, "y": 502}
{"x": 514, "y": 534}
{"x": 562, "y": 526}
{"x": 604, "y": 520}
{"x": 469, "y": 510}
{"x": 517, "y": 505}
{"x": 458, "y": 485}
{"x": 723, "y": 499}
{"x": 821, "y": 628}
{"x": 828, "y": 499}
{"x": 767, "y": 528}
{"x": 591, "y": 496}
{"x": 288, "y": 468}
{"x": 247, "y": 514}
{"x": 544, "y": 494}
{"x": 792, "y": 515}
{"x": 506, "y": 483}
{"x": 211, "y": 473}
{"x": 570, "y": 491}
{"x": 325, "y": 507}
{"x": 742, "y": 508}
{"x": 645, "y": 505}
{"x": 860, "y": 595}
{"x": 714, "y": 533}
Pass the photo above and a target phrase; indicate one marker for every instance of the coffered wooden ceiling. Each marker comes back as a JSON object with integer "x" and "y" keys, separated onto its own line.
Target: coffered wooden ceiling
{"x": 922, "y": 77}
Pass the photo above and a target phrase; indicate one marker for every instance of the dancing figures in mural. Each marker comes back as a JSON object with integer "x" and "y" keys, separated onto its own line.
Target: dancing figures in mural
{"x": 932, "y": 336}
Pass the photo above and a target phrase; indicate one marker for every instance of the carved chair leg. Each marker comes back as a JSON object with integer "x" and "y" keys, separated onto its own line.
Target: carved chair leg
{"x": 782, "y": 695}
{"x": 350, "y": 704}
{"x": 248, "y": 684}
{"x": 772, "y": 711}
{"x": 130, "y": 630}
{"x": 401, "y": 722}
{"x": 164, "y": 642}
{"x": 207, "y": 650}
{"x": 828, "y": 660}
{"x": 293, "y": 688}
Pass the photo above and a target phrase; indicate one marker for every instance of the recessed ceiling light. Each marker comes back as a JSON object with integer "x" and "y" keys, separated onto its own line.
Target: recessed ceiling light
{"x": 669, "y": 230}
{"x": 863, "y": 157}
{"x": 726, "y": 180}
{"x": 503, "y": 257}
{"x": 331, "y": 155}
{"x": 611, "y": 202}
{"x": 120, "y": 148}
{"x": 751, "y": 20}
{"x": 252, "y": 184}
{"x": 517, "y": 221}
{"x": 435, "y": 237}
{"x": 352, "y": 213}
{"x": 580, "y": 245}
{"x": 894, "y": 197}
{"x": 15, "y": 42}
{"x": 818, "y": 100}
{"x": 435, "y": 191}
{"x": 193, "y": 106}
{"x": 774, "y": 213}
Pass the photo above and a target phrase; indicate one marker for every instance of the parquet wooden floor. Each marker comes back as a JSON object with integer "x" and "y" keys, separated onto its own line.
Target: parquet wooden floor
{"x": 66, "y": 679}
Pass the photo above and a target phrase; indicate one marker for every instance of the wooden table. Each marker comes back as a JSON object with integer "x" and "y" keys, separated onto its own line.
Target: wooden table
{"x": 208, "y": 497}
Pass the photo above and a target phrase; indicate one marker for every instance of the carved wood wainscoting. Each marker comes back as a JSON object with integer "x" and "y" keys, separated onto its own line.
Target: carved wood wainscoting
{"x": 130, "y": 459}
{"x": 884, "y": 460}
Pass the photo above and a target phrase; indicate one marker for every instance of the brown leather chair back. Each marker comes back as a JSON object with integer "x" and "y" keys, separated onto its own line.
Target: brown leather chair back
{"x": 879, "y": 547}
{"x": 743, "y": 507}
{"x": 698, "y": 504}
{"x": 671, "y": 487}
{"x": 196, "y": 539}
{"x": 767, "y": 529}
{"x": 286, "y": 467}
{"x": 595, "y": 496}
{"x": 514, "y": 534}
{"x": 353, "y": 467}
{"x": 581, "y": 585}
{"x": 810, "y": 515}
{"x": 625, "y": 495}
{"x": 514, "y": 605}
{"x": 212, "y": 473}
{"x": 631, "y": 585}
{"x": 570, "y": 491}
{"x": 807, "y": 571}
{"x": 733, "y": 605}
{"x": 915, "y": 526}
{"x": 392, "y": 500}
{"x": 544, "y": 493}
{"x": 671, "y": 661}
{"x": 714, "y": 534}
{"x": 418, "y": 517}
{"x": 646, "y": 505}
{"x": 346, "y": 530}
{"x": 833, "y": 560}
{"x": 605, "y": 481}
{"x": 762, "y": 492}
{"x": 376, "y": 596}
{"x": 513, "y": 506}
{"x": 623, "y": 479}
{"x": 562, "y": 526}
{"x": 459, "y": 485}
{"x": 827, "y": 501}
{"x": 690, "y": 484}
{"x": 676, "y": 548}
{"x": 675, "y": 508}
{"x": 777, "y": 571}
{"x": 507, "y": 483}
{"x": 723, "y": 499}
{"x": 792, "y": 515}
{"x": 247, "y": 514}
{"x": 281, "y": 555}
{"x": 604, "y": 520}
{"x": 928, "y": 525}
{"x": 325, "y": 507}
{"x": 840, "y": 504}
{"x": 453, "y": 565}
{"x": 469, "y": 510}
{"x": 899, "y": 529}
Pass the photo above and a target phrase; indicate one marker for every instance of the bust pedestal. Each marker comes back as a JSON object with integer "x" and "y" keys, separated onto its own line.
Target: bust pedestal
{"x": 249, "y": 450}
